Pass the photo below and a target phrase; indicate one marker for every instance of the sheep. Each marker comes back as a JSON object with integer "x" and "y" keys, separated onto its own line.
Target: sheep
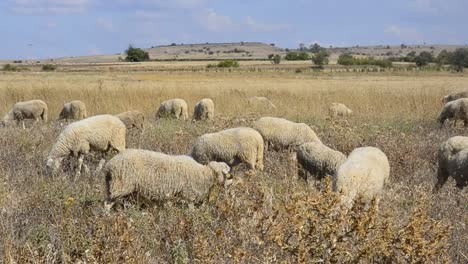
{"x": 204, "y": 109}
{"x": 319, "y": 160}
{"x": 452, "y": 161}
{"x": 176, "y": 108}
{"x": 261, "y": 102}
{"x": 457, "y": 109}
{"x": 281, "y": 133}
{"x": 242, "y": 144}
{"x": 132, "y": 119}
{"x": 100, "y": 133}
{"x": 454, "y": 96}
{"x": 158, "y": 176}
{"x": 34, "y": 109}
{"x": 73, "y": 110}
{"x": 363, "y": 174}
{"x": 338, "y": 109}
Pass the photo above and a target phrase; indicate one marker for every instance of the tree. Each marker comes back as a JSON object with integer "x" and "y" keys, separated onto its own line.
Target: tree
{"x": 443, "y": 57}
{"x": 302, "y": 46}
{"x": 320, "y": 58}
{"x": 459, "y": 59}
{"x": 423, "y": 59}
{"x": 136, "y": 54}
{"x": 346, "y": 59}
{"x": 315, "y": 48}
{"x": 275, "y": 59}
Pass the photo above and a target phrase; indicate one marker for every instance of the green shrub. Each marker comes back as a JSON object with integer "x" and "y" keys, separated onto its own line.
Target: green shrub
{"x": 275, "y": 59}
{"x": 228, "y": 64}
{"x": 294, "y": 56}
{"x": 9, "y": 67}
{"x": 136, "y": 54}
{"x": 49, "y": 67}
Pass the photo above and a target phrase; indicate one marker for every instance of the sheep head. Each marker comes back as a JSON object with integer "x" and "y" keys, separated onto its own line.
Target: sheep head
{"x": 221, "y": 171}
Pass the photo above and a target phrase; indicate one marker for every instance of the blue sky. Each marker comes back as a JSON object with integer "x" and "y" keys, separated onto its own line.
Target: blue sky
{"x": 33, "y": 29}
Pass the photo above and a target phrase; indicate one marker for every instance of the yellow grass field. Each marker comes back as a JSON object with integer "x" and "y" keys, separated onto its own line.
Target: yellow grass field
{"x": 268, "y": 217}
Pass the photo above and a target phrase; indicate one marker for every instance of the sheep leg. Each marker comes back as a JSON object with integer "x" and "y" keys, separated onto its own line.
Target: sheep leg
{"x": 100, "y": 166}
{"x": 80, "y": 165}
{"x": 442, "y": 177}
{"x": 22, "y": 123}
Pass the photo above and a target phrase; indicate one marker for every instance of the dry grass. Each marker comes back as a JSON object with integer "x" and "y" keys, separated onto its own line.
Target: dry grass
{"x": 265, "y": 218}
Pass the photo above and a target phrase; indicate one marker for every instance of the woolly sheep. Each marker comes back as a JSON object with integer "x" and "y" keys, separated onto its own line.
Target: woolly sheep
{"x": 282, "y": 133}
{"x": 338, "y": 109}
{"x": 132, "y": 119}
{"x": 176, "y": 108}
{"x": 158, "y": 176}
{"x": 204, "y": 109}
{"x": 363, "y": 174}
{"x": 73, "y": 110}
{"x": 455, "y": 96}
{"x": 457, "y": 109}
{"x": 98, "y": 133}
{"x": 319, "y": 160}
{"x": 233, "y": 145}
{"x": 261, "y": 102}
{"x": 34, "y": 109}
{"x": 453, "y": 161}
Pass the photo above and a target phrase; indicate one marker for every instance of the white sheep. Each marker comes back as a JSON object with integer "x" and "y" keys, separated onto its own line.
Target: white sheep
{"x": 457, "y": 109}
{"x": 261, "y": 102}
{"x": 160, "y": 177}
{"x": 338, "y": 109}
{"x": 97, "y": 133}
{"x": 232, "y": 146}
{"x": 452, "y": 161}
{"x": 281, "y": 133}
{"x": 132, "y": 119}
{"x": 454, "y": 96}
{"x": 319, "y": 160}
{"x": 204, "y": 109}
{"x": 73, "y": 110}
{"x": 34, "y": 109}
{"x": 176, "y": 108}
{"x": 363, "y": 174}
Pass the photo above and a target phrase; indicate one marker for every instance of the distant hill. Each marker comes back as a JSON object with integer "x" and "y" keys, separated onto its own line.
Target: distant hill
{"x": 250, "y": 51}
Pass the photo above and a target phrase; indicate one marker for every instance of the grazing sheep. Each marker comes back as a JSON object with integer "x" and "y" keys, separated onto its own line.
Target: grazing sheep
{"x": 204, "y": 109}
{"x": 452, "y": 161}
{"x": 35, "y": 109}
{"x": 176, "y": 108}
{"x": 457, "y": 109}
{"x": 338, "y": 109}
{"x": 159, "y": 177}
{"x": 233, "y": 145}
{"x": 282, "y": 133}
{"x": 132, "y": 119}
{"x": 319, "y": 160}
{"x": 261, "y": 102}
{"x": 363, "y": 174}
{"x": 98, "y": 133}
{"x": 455, "y": 96}
{"x": 73, "y": 110}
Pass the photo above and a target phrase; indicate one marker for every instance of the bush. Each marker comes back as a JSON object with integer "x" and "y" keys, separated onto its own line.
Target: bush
{"x": 9, "y": 67}
{"x": 423, "y": 59}
{"x": 228, "y": 64}
{"x": 295, "y": 56}
{"x": 347, "y": 59}
{"x": 49, "y": 67}
{"x": 136, "y": 54}
{"x": 320, "y": 58}
{"x": 459, "y": 59}
{"x": 275, "y": 59}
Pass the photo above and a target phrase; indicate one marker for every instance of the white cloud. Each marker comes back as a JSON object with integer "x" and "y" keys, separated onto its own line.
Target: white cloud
{"x": 262, "y": 27}
{"x": 405, "y": 34}
{"x": 215, "y": 22}
{"x": 29, "y": 7}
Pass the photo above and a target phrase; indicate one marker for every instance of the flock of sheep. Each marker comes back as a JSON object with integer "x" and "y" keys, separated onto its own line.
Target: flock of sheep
{"x": 160, "y": 176}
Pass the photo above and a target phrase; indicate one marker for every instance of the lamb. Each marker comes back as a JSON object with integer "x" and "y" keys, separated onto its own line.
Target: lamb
{"x": 232, "y": 146}
{"x": 281, "y": 133}
{"x": 34, "y": 109}
{"x": 319, "y": 160}
{"x": 261, "y": 102}
{"x": 132, "y": 119}
{"x": 455, "y": 96}
{"x": 204, "y": 109}
{"x": 73, "y": 110}
{"x": 176, "y": 108}
{"x": 457, "y": 109}
{"x": 452, "y": 161}
{"x": 100, "y": 133}
{"x": 338, "y": 109}
{"x": 363, "y": 174}
{"x": 160, "y": 177}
